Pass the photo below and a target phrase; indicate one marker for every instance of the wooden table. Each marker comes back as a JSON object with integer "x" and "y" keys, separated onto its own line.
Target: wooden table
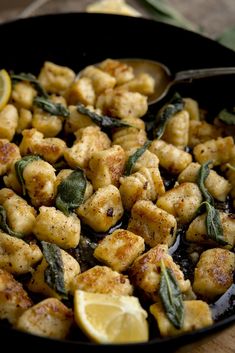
{"x": 214, "y": 16}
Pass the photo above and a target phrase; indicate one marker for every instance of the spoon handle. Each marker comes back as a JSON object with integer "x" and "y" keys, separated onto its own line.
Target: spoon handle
{"x": 189, "y": 75}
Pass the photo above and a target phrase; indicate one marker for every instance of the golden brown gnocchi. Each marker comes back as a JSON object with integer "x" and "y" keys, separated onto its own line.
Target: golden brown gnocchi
{"x": 9, "y": 118}
{"x": 218, "y": 186}
{"x": 101, "y": 279}
{"x": 177, "y": 130}
{"x": 106, "y": 167}
{"x": 14, "y": 300}
{"x": 217, "y": 151}
{"x": 103, "y": 209}
{"x": 17, "y": 256}
{"x": 182, "y": 201}
{"x": 53, "y": 226}
{"x": 170, "y": 157}
{"x": 119, "y": 249}
{"x": 214, "y": 273}
{"x": 146, "y": 184}
{"x": 20, "y": 215}
{"x": 49, "y": 318}
{"x": 145, "y": 272}
{"x": 155, "y": 225}
{"x": 9, "y": 154}
{"x": 122, "y": 104}
{"x": 55, "y": 78}
{"x": 33, "y": 142}
{"x": 197, "y": 315}
{"x": 88, "y": 140}
{"x": 101, "y": 199}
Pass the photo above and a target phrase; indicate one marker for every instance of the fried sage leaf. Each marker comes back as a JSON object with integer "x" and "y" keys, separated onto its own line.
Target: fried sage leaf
{"x": 203, "y": 173}
{"x": 214, "y": 227}
{"x": 19, "y": 169}
{"x": 32, "y": 79}
{"x": 50, "y": 107}
{"x": 101, "y": 120}
{"x": 227, "y": 117}
{"x": 174, "y": 106}
{"x": 54, "y": 273}
{"x": 134, "y": 157}
{"x": 71, "y": 192}
{"x": 4, "y": 226}
{"x": 171, "y": 297}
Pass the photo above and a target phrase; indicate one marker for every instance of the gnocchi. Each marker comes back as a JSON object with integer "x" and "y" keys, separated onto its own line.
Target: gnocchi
{"x": 97, "y": 198}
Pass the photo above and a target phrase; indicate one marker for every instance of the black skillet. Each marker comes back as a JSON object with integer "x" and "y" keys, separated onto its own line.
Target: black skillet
{"x": 78, "y": 39}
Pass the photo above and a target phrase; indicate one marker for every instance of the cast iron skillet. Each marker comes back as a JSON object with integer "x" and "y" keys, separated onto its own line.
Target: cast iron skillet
{"x": 78, "y": 39}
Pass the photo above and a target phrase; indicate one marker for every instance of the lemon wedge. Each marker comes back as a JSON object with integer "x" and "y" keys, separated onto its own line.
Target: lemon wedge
{"x": 107, "y": 318}
{"x": 5, "y": 88}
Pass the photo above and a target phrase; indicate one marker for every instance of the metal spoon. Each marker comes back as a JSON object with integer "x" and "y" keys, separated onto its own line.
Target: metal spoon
{"x": 164, "y": 79}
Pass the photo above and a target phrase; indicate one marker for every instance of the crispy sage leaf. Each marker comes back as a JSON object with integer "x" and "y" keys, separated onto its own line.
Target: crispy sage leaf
{"x": 134, "y": 157}
{"x": 174, "y": 106}
{"x": 227, "y": 117}
{"x": 71, "y": 192}
{"x": 213, "y": 224}
{"x": 214, "y": 227}
{"x": 203, "y": 173}
{"x": 101, "y": 120}
{"x": 50, "y": 107}
{"x": 4, "y": 226}
{"x": 171, "y": 297}
{"x": 32, "y": 79}
{"x": 54, "y": 273}
{"x": 19, "y": 169}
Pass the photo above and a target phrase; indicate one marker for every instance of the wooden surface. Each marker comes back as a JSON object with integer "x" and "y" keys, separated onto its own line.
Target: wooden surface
{"x": 214, "y": 16}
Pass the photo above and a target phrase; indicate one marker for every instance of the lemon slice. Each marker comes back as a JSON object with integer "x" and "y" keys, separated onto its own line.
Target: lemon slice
{"x": 107, "y": 318}
{"x": 5, "y": 88}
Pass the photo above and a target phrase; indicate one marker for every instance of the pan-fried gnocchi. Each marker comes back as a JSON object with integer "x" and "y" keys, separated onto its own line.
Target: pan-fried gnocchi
{"x": 97, "y": 196}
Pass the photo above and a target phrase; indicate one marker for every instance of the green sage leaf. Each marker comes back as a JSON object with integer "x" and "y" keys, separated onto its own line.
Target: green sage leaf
{"x": 32, "y": 79}
{"x": 174, "y": 106}
{"x": 171, "y": 297}
{"x": 50, "y": 107}
{"x": 5, "y": 227}
{"x": 227, "y": 38}
{"x": 227, "y": 117}
{"x": 134, "y": 157}
{"x": 19, "y": 169}
{"x": 54, "y": 273}
{"x": 213, "y": 224}
{"x": 203, "y": 173}
{"x": 101, "y": 120}
{"x": 71, "y": 192}
{"x": 163, "y": 12}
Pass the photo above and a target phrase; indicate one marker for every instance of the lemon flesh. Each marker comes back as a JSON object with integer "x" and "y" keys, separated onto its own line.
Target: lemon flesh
{"x": 5, "y": 88}
{"x": 107, "y": 318}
